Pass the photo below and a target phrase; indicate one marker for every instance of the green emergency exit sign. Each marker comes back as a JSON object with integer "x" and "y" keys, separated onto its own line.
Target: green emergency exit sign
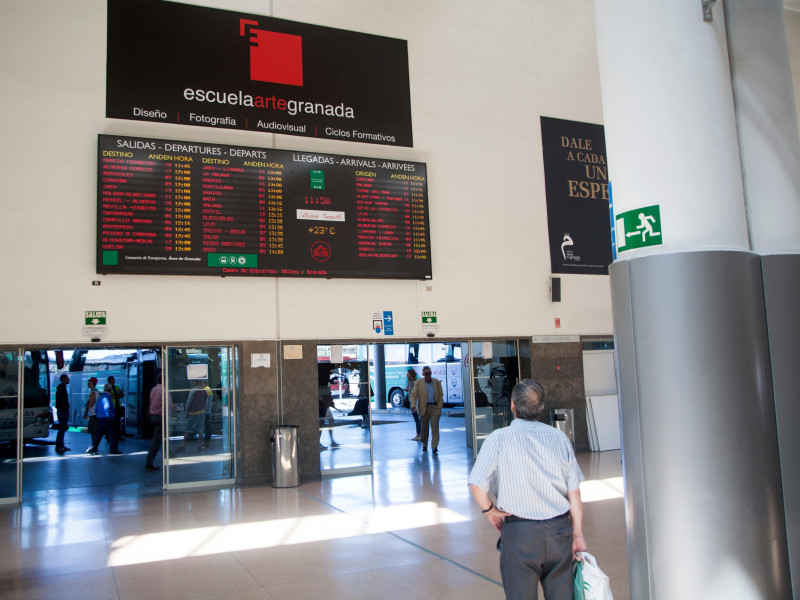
{"x": 94, "y": 317}
{"x": 429, "y": 317}
{"x": 638, "y": 228}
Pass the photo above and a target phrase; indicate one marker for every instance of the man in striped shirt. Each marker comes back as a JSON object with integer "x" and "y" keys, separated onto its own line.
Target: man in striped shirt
{"x": 531, "y": 471}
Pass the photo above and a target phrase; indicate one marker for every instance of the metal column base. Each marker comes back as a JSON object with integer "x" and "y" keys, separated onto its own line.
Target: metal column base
{"x": 703, "y": 497}
{"x": 782, "y": 294}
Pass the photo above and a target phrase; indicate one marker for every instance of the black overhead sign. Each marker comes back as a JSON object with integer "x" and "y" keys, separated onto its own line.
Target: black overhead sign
{"x": 185, "y": 208}
{"x": 576, "y": 183}
{"x": 177, "y": 63}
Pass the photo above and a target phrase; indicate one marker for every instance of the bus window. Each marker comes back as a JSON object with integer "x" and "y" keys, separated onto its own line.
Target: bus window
{"x": 445, "y": 363}
{"x": 395, "y": 354}
{"x": 36, "y": 409}
{"x": 425, "y": 354}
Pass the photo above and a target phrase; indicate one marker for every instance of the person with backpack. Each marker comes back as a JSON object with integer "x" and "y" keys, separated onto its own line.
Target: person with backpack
{"x": 104, "y": 410}
{"x": 117, "y": 394}
{"x": 89, "y": 410}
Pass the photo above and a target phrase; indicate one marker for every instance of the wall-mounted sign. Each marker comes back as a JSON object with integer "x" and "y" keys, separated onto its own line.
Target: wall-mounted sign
{"x": 388, "y": 322}
{"x": 196, "y": 371}
{"x": 94, "y": 322}
{"x": 259, "y": 359}
{"x": 430, "y": 322}
{"x": 638, "y": 228}
{"x": 94, "y": 317}
{"x": 177, "y": 63}
{"x": 576, "y": 183}
{"x": 293, "y": 352}
{"x": 182, "y": 208}
{"x": 379, "y": 323}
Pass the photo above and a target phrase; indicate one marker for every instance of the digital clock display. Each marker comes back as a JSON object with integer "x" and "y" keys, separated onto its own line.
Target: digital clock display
{"x": 185, "y": 208}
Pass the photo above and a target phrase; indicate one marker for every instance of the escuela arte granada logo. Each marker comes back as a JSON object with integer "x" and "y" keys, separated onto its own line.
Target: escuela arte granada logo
{"x": 274, "y": 58}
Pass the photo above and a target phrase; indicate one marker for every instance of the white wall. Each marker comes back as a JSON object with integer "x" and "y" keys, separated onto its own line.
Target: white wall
{"x": 481, "y": 75}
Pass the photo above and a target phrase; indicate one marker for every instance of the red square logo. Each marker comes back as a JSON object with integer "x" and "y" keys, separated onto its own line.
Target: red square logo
{"x": 274, "y": 57}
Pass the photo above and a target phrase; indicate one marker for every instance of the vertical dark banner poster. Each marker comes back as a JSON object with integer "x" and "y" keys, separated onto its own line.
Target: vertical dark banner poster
{"x": 176, "y": 63}
{"x": 576, "y": 183}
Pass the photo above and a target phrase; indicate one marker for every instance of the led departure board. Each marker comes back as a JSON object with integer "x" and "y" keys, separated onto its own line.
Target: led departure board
{"x": 184, "y": 208}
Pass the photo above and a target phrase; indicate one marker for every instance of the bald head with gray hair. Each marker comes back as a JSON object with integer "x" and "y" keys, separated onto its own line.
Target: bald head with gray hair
{"x": 527, "y": 399}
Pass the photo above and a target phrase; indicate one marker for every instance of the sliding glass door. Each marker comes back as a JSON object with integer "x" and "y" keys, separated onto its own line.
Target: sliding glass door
{"x": 495, "y": 371}
{"x": 199, "y": 417}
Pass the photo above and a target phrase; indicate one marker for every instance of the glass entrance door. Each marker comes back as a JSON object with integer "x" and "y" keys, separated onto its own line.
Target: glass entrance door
{"x": 495, "y": 371}
{"x": 200, "y": 422}
{"x": 344, "y": 399}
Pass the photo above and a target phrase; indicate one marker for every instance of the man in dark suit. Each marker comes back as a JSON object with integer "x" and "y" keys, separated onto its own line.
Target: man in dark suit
{"x": 62, "y": 410}
{"x": 427, "y": 398}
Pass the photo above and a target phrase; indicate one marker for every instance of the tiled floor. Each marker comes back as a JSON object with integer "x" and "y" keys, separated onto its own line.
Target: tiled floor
{"x": 409, "y": 530}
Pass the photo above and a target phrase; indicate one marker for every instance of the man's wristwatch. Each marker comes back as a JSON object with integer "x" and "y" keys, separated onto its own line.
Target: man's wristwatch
{"x": 491, "y": 506}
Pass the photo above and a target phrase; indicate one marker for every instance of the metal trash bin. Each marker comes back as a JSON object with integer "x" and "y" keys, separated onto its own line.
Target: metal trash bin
{"x": 563, "y": 419}
{"x": 285, "y": 456}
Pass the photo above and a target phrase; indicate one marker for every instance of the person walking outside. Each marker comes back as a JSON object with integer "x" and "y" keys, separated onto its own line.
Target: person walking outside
{"x": 117, "y": 394}
{"x": 62, "y": 411}
{"x": 104, "y": 409}
{"x": 89, "y": 410}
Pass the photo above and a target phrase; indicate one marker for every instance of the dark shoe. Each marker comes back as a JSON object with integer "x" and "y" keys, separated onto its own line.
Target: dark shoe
{"x": 116, "y": 452}
{"x": 335, "y": 445}
{"x": 65, "y": 449}
{"x": 424, "y": 448}
{"x": 89, "y": 450}
{"x": 436, "y": 451}
{"x": 150, "y": 468}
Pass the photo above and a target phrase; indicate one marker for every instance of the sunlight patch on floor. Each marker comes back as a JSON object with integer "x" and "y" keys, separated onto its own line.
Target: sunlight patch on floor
{"x": 593, "y": 490}
{"x": 202, "y": 541}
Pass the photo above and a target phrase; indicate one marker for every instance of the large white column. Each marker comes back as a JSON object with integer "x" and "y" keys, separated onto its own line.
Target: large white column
{"x": 669, "y": 122}
{"x": 704, "y": 507}
{"x": 767, "y": 123}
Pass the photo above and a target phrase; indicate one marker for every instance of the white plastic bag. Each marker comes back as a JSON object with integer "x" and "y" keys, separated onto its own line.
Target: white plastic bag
{"x": 595, "y": 583}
